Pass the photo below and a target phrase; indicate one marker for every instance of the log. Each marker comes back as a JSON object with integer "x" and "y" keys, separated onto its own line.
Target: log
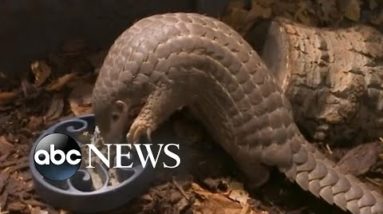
{"x": 332, "y": 77}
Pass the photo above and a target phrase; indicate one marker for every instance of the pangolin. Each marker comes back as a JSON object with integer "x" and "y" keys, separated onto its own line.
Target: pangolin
{"x": 169, "y": 61}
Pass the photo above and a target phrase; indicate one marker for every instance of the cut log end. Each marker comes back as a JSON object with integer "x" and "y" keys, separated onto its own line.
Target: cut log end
{"x": 333, "y": 78}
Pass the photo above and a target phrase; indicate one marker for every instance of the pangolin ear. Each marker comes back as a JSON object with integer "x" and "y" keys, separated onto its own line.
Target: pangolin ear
{"x": 120, "y": 109}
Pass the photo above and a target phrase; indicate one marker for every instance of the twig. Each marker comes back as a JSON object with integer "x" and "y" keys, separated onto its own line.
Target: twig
{"x": 2, "y": 212}
{"x": 180, "y": 189}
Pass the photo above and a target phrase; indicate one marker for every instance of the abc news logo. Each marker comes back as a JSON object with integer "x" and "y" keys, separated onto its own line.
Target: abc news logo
{"x": 58, "y": 156}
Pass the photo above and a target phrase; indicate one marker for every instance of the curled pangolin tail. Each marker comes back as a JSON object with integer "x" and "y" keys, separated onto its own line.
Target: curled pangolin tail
{"x": 315, "y": 173}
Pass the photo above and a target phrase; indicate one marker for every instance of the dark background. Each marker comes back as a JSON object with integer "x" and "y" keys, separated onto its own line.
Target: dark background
{"x": 30, "y": 29}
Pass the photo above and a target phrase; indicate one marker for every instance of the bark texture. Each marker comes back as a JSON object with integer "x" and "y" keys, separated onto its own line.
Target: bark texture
{"x": 332, "y": 77}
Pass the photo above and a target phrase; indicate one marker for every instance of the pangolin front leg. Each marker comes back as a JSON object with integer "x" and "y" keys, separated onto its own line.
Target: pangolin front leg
{"x": 157, "y": 108}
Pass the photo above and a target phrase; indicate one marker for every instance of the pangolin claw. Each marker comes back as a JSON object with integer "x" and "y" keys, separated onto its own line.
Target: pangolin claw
{"x": 137, "y": 130}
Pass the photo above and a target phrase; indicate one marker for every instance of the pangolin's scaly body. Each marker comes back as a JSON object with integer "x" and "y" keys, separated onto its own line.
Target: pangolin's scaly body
{"x": 173, "y": 60}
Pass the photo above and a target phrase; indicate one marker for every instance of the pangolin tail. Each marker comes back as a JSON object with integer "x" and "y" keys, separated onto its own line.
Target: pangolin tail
{"x": 316, "y": 174}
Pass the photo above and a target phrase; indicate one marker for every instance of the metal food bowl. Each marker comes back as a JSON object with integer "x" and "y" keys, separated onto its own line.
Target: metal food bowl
{"x": 78, "y": 193}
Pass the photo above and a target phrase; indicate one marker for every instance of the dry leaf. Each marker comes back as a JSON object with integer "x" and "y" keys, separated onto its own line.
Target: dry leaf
{"x": 360, "y": 159}
{"x": 237, "y": 193}
{"x": 236, "y": 17}
{"x": 29, "y": 90}
{"x": 329, "y": 11}
{"x": 214, "y": 202}
{"x": 55, "y": 109}
{"x": 351, "y": 9}
{"x": 34, "y": 123}
{"x": 80, "y": 99}
{"x": 301, "y": 14}
{"x": 59, "y": 83}
{"x": 7, "y": 97}
{"x": 265, "y": 3}
{"x": 5, "y": 146}
{"x": 259, "y": 11}
{"x": 219, "y": 202}
{"x": 41, "y": 70}
{"x": 38, "y": 210}
{"x": 243, "y": 20}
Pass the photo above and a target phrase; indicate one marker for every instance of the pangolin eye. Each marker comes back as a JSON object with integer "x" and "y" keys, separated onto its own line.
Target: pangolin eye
{"x": 114, "y": 117}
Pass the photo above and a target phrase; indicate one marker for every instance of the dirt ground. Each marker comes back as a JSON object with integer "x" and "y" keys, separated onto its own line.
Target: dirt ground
{"x": 59, "y": 86}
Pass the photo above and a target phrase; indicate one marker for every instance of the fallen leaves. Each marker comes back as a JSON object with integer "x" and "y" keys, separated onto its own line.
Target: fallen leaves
{"x": 242, "y": 19}
{"x": 259, "y": 11}
{"x": 238, "y": 193}
{"x": 234, "y": 200}
{"x": 351, "y": 9}
{"x": 56, "y": 108}
{"x": 44, "y": 95}
{"x": 80, "y": 99}
{"x": 236, "y": 17}
{"x": 190, "y": 197}
{"x": 322, "y": 13}
{"x": 61, "y": 82}
{"x": 27, "y": 90}
{"x": 328, "y": 10}
{"x": 6, "y": 148}
{"x": 15, "y": 181}
{"x": 41, "y": 71}
{"x": 34, "y": 122}
{"x": 1, "y": 210}
{"x": 360, "y": 159}
{"x": 7, "y": 97}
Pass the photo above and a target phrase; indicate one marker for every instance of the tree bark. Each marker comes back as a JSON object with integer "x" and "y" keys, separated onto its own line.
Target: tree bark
{"x": 332, "y": 77}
